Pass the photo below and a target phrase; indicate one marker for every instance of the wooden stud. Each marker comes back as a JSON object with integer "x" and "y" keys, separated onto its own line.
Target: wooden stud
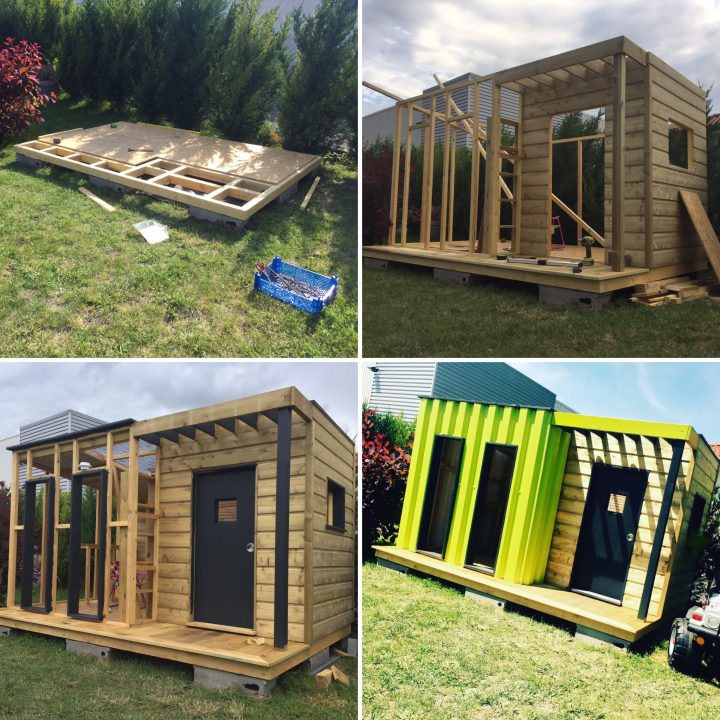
{"x": 451, "y": 182}
{"x": 57, "y": 457}
{"x": 518, "y": 186}
{"x": 618, "y": 170}
{"x": 392, "y": 230}
{"x": 648, "y": 166}
{"x": 127, "y": 582}
{"x": 406, "y": 177}
{"x": 579, "y": 188}
{"x": 446, "y": 165}
{"x": 12, "y": 557}
{"x": 475, "y": 170}
{"x": 491, "y": 211}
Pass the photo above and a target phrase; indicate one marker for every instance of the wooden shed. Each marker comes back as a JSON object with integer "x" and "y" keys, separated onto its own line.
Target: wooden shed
{"x": 222, "y": 536}
{"x": 592, "y": 520}
{"x": 654, "y": 139}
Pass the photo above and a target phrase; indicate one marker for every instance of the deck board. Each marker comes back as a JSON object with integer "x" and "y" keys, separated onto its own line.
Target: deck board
{"x": 598, "y": 278}
{"x": 615, "y": 620}
{"x": 208, "y": 648}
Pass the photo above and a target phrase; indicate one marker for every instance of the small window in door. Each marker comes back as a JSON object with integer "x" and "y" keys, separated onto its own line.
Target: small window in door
{"x": 226, "y": 510}
{"x": 616, "y": 503}
{"x": 335, "y": 506}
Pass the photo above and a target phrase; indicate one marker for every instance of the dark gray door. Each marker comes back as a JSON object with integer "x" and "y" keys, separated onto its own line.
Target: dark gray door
{"x": 607, "y": 532}
{"x": 223, "y": 547}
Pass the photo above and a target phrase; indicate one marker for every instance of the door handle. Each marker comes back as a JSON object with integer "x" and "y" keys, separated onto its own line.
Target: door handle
{"x": 630, "y": 537}
{"x": 250, "y": 547}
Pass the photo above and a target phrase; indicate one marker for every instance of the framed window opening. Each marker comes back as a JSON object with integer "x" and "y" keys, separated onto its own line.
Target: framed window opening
{"x": 335, "y": 506}
{"x": 90, "y": 558}
{"x": 488, "y": 519}
{"x": 37, "y": 567}
{"x": 440, "y": 494}
{"x": 696, "y": 515}
{"x": 680, "y": 145}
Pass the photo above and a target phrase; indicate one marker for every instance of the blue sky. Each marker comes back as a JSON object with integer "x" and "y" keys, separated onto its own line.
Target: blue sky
{"x": 681, "y": 392}
{"x": 406, "y": 41}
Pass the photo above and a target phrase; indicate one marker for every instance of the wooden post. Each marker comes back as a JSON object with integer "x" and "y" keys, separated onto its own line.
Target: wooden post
{"x": 428, "y": 175}
{"x": 648, "y": 185}
{"x": 579, "y": 188}
{"x": 518, "y": 184}
{"x": 156, "y": 535}
{"x": 491, "y": 210}
{"x": 56, "y": 513}
{"x": 392, "y": 232}
{"x": 406, "y": 176}
{"x": 12, "y": 555}
{"x": 475, "y": 172}
{"x": 46, "y": 510}
{"x": 446, "y": 160}
{"x": 618, "y": 173}
{"x": 451, "y": 182}
{"x": 109, "y": 451}
{"x": 127, "y": 580}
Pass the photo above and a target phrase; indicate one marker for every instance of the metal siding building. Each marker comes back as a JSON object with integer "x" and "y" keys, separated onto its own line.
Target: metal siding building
{"x": 6, "y": 458}
{"x": 380, "y": 125}
{"x": 396, "y": 387}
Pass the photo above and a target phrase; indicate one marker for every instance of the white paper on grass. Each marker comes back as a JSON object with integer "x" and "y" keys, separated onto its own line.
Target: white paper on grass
{"x": 152, "y": 231}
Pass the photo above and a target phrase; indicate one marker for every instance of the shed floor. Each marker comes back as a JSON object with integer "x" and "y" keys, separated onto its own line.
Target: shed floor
{"x": 136, "y": 143}
{"x": 613, "y": 620}
{"x": 197, "y": 646}
{"x": 599, "y": 278}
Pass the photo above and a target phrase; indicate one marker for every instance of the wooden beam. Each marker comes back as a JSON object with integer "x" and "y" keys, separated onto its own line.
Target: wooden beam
{"x": 579, "y": 221}
{"x": 127, "y": 583}
{"x": 282, "y": 527}
{"x": 208, "y": 428}
{"x": 491, "y": 232}
{"x": 57, "y": 457}
{"x": 648, "y": 165}
{"x": 110, "y": 460}
{"x": 12, "y": 555}
{"x": 446, "y": 167}
{"x": 618, "y": 170}
{"x": 395, "y": 181}
{"x": 382, "y": 91}
{"x": 451, "y": 182}
{"x": 188, "y": 432}
{"x": 171, "y": 435}
{"x": 310, "y": 192}
{"x": 227, "y": 424}
{"x": 251, "y": 420}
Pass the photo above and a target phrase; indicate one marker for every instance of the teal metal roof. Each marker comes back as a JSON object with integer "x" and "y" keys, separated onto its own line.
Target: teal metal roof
{"x": 490, "y": 383}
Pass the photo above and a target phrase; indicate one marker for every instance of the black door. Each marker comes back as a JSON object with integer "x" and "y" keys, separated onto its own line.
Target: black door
{"x": 608, "y": 529}
{"x": 440, "y": 494}
{"x": 223, "y": 547}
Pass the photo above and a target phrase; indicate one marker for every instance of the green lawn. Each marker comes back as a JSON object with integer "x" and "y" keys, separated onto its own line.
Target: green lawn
{"x": 76, "y": 280}
{"x": 430, "y": 653}
{"x": 39, "y": 679}
{"x": 408, "y": 314}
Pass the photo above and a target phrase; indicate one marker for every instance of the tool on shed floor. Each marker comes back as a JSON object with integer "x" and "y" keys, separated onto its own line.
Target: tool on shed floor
{"x": 574, "y": 265}
{"x": 588, "y": 242}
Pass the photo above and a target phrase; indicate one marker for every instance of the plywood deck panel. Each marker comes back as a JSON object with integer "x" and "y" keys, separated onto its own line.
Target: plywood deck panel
{"x": 611, "y": 619}
{"x": 206, "y": 648}
{"x": 136, "y": 143}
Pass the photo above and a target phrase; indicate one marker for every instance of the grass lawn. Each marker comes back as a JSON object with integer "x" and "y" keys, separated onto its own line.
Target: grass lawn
{"x": 408, "y": 314}
{"x": 430, "y": 653}
{"x": 76, "y": 280}
{"x": 39, "y": 679}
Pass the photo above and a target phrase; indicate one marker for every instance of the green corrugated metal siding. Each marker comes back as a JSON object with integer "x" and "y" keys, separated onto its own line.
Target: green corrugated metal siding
{"x": 534, "y": 492}
{"x": 490, "y": 383}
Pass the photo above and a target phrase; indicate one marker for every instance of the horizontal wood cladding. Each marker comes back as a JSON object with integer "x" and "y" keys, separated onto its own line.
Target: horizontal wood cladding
{"x": 258, "y": 447}
{"x": 333, "y": 554}
{"x": 629, "y": 452}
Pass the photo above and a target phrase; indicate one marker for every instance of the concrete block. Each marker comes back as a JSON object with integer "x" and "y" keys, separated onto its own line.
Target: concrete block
{"x": 600, "y": 639}
{"x": 100, "y": 182}
{"x": 350, "y": 646}
{"x": 81, "y": 648}
{"x": 484, "y": 598}
{"x": 221, "y": 680}
{"x": 285, "y": 196}
{"x": 5, "y": 631}
{"x": 214, "y": 217}
{"x": 392, "y": 566}
{"x": 32, "y": 162}
{"x": 318, "y": 662}
{"x": 462, "y": 278}
{"x": 374, "y": 263}
{"x": 549, "y": 295}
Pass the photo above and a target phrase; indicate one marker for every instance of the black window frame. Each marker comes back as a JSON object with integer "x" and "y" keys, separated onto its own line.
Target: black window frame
{"x": 338, "y": 522}
{"x": 26, "y": 580}
{"x": 697, "y": 511}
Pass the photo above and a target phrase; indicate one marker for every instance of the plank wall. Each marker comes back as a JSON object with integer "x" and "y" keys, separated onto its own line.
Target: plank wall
{"x": 333, "y": 561}
{"x": 673, "y": 98}
{"x": 685, "y": 558}
{"x": 177, "y": 463}
{"x": 630, "y": 452}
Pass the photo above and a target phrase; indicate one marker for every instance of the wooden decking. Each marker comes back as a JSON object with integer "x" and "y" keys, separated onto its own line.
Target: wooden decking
{"x": 207, "y": 648}
{"x": 587, "y": 612}
{"x": 598, "y": 278}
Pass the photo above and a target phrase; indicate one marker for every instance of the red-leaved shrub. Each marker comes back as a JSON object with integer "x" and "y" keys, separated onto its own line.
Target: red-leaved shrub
{"x": 384, "y": 476}
{"x": 21, "y": 99}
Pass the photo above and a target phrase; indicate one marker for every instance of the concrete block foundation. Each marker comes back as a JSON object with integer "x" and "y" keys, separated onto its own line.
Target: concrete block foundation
{"x": 99, "y": 182}
{"x": 214, "y": 217}
{"x": 556, "y": 296}
{"x": 462, "y": 278}
{"x": 221, "y": 680}
{"x": 81, "y": 648}
{"x": 375, "y": 264}
{"x": 5, "y": 631}
{"x": 484, "y": 598}
{"x": 32, "y": 162}
{"x": 600, "y": 639}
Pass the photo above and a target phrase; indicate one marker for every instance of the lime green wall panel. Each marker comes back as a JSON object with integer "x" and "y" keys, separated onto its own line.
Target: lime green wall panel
{"x": 534, "y": 491}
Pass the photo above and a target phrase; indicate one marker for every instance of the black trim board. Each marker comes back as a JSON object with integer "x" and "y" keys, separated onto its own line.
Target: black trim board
{"x": 282, "y": 526}
{"x": 678, "y": 446}
{"x": 26, "y": 581}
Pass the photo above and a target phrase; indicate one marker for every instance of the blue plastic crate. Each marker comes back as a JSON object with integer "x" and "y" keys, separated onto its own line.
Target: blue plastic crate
{"x": 326, "y": 286}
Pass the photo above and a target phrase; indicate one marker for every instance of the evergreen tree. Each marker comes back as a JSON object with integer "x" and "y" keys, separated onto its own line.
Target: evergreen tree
{"x": 150, "y": 57}
{"x": 319, "y": 107}
{"x": 194, "y": 33}
{"x": 246, "y": 78}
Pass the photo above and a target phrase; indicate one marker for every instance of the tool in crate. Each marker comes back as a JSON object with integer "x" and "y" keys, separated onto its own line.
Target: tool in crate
{"x": 302, "y": 288}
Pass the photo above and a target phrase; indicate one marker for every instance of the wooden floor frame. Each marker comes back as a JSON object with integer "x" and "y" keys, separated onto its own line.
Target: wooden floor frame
{"x": 235, "y": 197}
{"x": 612, "y": 620}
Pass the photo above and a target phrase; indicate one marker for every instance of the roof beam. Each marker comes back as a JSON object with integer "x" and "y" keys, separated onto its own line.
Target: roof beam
{"x": 207, "y": 427}
{"x": 171, "y": 435}
{"x": 227, "y": 424}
